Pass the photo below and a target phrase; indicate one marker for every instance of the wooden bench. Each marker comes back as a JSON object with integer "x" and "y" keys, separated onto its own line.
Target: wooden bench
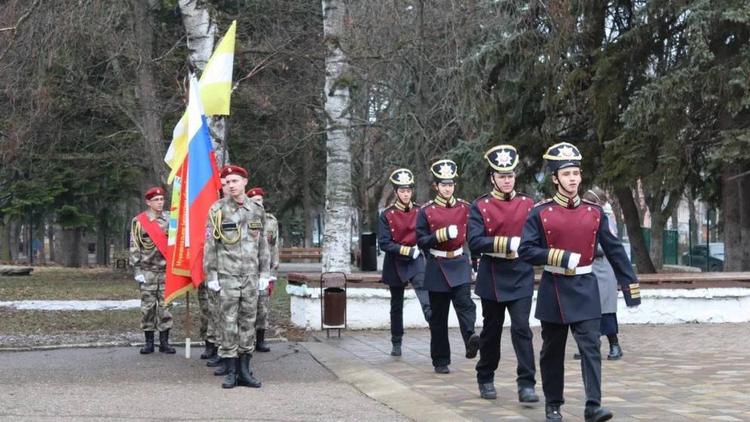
{"x": 296, "y": 254}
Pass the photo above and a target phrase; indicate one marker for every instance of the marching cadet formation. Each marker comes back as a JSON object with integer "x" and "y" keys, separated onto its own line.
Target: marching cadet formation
{"x": 429, "y": 247}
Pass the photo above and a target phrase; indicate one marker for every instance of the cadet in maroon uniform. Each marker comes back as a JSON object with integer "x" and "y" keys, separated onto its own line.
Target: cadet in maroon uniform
{"x": 561, "y": 233}
{"x": 441, "y": 233}
{"x": 503, "y": 280}
{"x": 403, "y": 262}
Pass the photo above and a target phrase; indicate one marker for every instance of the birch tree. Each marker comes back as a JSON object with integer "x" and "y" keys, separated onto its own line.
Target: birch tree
{"x": 338, "y": 209}
{"x": 200, "y": 28}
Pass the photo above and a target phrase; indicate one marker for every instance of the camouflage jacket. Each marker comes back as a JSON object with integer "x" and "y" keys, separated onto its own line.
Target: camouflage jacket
{"x": 235, "y": 244}
{"x": 144, "y": 256}
{"x": 271, "y": 230}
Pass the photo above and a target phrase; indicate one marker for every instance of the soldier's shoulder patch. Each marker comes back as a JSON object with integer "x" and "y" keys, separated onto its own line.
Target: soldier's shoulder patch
{"x": 427, "y": 204}
{"x": 462, "y": 201}
{"x": 216, "y": 206}
{"x": 270, "y": 216}
{"x": 416, "y": 205}
{"x": 543, "y": 201}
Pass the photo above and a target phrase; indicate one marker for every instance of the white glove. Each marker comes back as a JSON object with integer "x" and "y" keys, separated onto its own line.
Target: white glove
{"x": 452, "y": 231}
{"x": 140, "y": 278}
{"x": 263, "y": 283}
{"x": 573, "y": 261}
{"x": 214, "y": 285}
{"x": 414, "y": 252}
{"x": 515, "y": 242}
{"x": 633, "y": 309}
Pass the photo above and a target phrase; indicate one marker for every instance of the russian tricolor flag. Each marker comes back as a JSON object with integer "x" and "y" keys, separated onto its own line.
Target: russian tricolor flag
{"x": 195, "y": 190}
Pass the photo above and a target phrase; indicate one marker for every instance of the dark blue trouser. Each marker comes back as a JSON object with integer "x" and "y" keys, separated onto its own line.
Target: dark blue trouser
{"x": 552, "y": 359}
{"x": 397, "y": 310}
{"x": 520, "y": 334}
{"x": 466, "y": 311}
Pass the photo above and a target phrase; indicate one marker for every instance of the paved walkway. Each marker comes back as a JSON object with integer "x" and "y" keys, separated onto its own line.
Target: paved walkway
{"x": 690, "y": 372}
{"x": 119, "y": 384}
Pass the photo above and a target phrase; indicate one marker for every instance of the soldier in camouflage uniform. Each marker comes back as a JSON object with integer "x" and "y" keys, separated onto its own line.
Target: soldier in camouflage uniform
{"x": 210, "y": 316}
{"x": 148, "y": 241}
{"x": 236, "y": 263}
{"x": 271, "y": 231}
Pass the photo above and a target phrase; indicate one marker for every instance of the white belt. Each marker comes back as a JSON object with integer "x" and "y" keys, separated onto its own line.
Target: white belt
{"x": 565, "y": 271}
{"x": 447, "y": 254}
{"x": 511, "y": 255}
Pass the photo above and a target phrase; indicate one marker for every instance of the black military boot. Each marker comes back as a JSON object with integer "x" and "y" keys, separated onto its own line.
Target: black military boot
{"x": 552, "y": 413}
{"x": 615, "y": 352}
{"x": 246, "y": 377}
{"x": 396, "y": 349}
{"x": 209, "y": 351}
{"x": 221, "y": 368}
{"x": 597, "y": 414}
{"x": 149, "y": 346}
{"x": 260, "y": 341}
{"x": 487, "y": 391}
{"x": 230, "y": 380}
{"x": 164, "y": 346}
{"x": 527, "y": 395}
{"x": 472, "y": 346}
{"x": 442, "y": 369}
{"x": 214, "y": 360}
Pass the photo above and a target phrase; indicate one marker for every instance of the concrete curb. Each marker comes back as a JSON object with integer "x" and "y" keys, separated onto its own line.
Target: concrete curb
{"x": 109, "y": 344}
{"x": 380, "y": 386}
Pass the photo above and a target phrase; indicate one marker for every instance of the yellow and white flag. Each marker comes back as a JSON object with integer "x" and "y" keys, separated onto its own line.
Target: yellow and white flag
{"x": 215, "y": 91}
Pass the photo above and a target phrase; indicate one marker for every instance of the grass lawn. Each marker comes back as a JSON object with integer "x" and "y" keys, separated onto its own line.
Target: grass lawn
{"x": 57, "y": 283}
{"x": 28, "y": 328}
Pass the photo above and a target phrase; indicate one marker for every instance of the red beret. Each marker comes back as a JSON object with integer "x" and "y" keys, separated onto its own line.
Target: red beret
{"x": 256, "y": 191}
{"x": 227, "y": 170}
{"x": 155, "y": 191}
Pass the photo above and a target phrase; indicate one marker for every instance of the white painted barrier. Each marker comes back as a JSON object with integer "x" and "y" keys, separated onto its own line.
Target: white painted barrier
{"x": 369, "y": 308}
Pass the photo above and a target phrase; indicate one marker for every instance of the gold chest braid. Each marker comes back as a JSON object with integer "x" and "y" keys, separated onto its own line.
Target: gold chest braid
{"x": 218, "y": 233}
{"x": 143, "y": 242}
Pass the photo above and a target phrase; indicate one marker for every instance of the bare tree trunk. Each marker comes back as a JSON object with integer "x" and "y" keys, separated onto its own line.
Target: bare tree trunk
{"x": 150, "y": 123}
{"x": 338, "y": 211}
{"x": 744, "y": 201}
{"x": 200, "y": 29}
{"x": 656, "y": 249}
{"x": 71, "y": 248}
{"x": 15, "y": 236}
{"x": 307, "y": 208}
{"x": 633, "y": 224}
{"x": 5, "y": 241}
{"x": 102, "y": 241}
{"x": 692, "y": 219}
{"x": 51, "y": 239}
{"x": 730, "y": 192}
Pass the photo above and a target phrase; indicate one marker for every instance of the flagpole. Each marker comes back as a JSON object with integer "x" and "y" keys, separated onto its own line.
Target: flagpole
{"x": 187, "y": 325}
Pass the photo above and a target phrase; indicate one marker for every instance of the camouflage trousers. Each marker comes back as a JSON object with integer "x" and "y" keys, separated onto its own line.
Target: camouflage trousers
{"x": 213, "y": 330}
{"x": 205, "y": 312}
{"x": 210, "y": 316}
{"x": 261, "y": 319}
{"x": 155, "y": 316}
{"x": 238, "y": 302}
